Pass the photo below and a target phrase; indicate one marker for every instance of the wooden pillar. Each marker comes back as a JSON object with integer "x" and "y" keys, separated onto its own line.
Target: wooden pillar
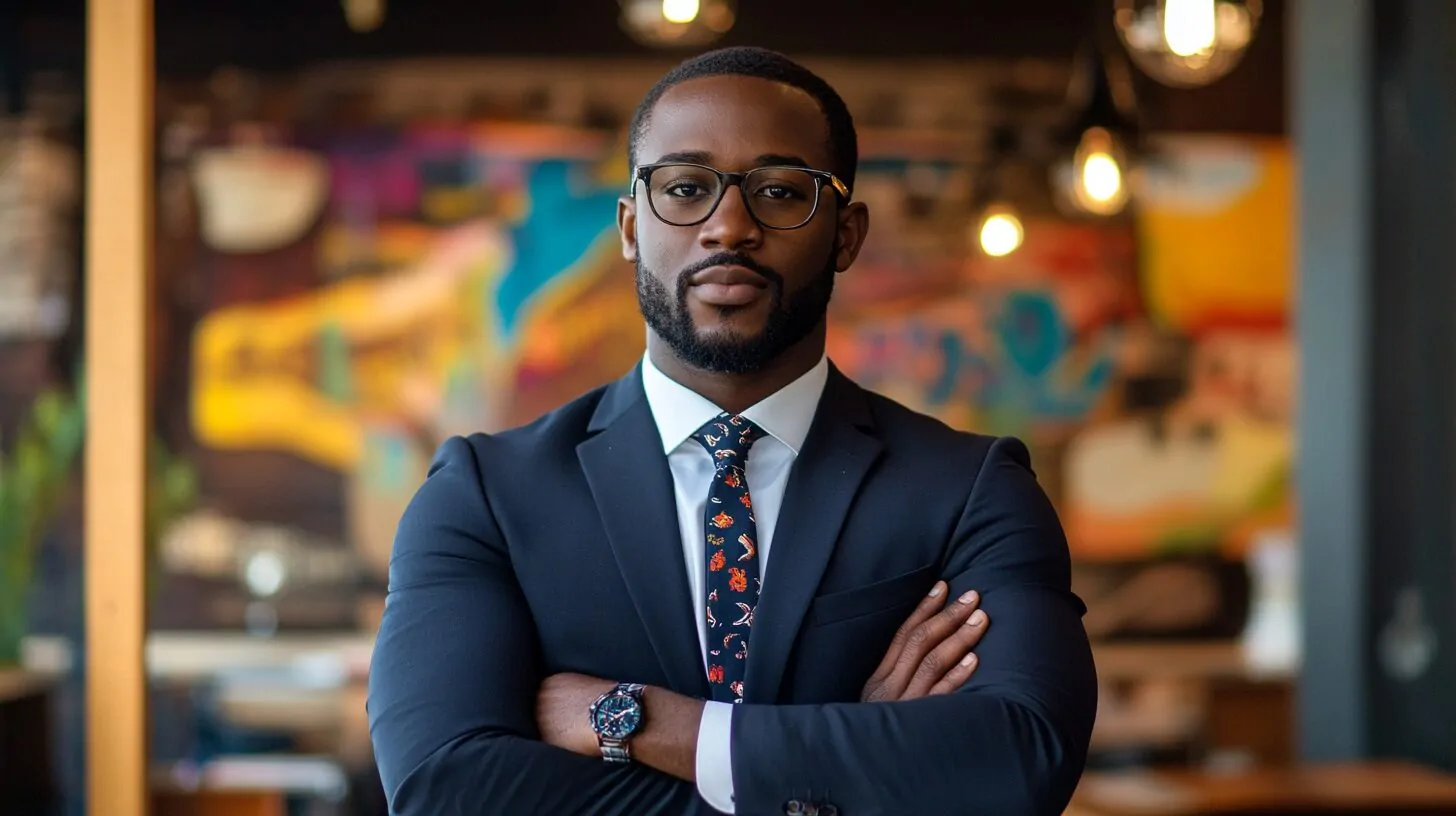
{"x": 119, "y": 213}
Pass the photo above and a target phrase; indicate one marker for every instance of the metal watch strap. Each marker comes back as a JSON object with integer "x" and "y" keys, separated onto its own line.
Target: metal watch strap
{"x": 615, "y": 751}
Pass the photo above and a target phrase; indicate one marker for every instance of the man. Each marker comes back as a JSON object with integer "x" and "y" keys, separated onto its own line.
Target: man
{"x": 573, "y": 604}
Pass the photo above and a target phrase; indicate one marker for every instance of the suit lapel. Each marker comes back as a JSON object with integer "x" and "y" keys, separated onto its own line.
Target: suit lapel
{"x": 837, "y": 455}
{"x": 632, "y": 486}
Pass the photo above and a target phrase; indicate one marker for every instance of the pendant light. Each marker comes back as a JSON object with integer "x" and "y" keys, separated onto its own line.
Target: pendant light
{"x": 677, "y": 23}
{"x": 1187, "y": 43}
{"x": 1099, "y": 138}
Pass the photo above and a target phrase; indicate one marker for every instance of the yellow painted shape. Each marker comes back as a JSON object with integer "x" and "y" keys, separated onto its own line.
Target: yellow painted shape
{"x": 1222, "y": 252}
{"x": 257, "y": 370}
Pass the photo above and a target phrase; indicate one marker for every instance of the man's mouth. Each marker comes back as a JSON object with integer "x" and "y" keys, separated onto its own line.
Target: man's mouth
{"x": 728, "y": 285}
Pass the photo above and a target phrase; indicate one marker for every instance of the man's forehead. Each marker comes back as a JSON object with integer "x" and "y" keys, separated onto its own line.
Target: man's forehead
{"x": 736, "y": 118}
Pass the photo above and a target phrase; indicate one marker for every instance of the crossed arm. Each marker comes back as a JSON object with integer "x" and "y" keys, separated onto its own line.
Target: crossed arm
{"x": 930, "y": 655}
{"x": 1011, "y": 740}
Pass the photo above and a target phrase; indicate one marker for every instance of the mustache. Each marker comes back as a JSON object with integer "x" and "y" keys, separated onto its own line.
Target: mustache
{"x": 775, "y": 280}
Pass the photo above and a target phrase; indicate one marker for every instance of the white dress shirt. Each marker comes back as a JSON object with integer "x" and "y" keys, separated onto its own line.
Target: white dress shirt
{"x": 785, "y": 417}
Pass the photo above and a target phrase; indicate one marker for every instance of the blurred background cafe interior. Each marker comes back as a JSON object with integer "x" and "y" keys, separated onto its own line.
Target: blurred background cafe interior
{"x": 261, "y": 258}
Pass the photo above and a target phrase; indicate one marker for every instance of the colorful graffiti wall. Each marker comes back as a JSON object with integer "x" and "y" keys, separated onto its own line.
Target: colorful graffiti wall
{"x": 369, "y": 295}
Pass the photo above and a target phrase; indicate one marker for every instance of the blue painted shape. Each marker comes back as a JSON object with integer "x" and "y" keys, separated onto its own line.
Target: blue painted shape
{"x": 1032, "y": 332}
{"x": 951, "y": 355}
{"x": 561, "y": 224}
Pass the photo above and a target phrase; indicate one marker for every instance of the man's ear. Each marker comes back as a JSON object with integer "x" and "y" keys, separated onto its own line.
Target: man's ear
{"x": 627, "y": 226}
{"x": 854, "y": 225}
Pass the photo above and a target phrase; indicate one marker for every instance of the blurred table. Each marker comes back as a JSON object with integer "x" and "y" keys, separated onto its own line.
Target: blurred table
{"x": 244, "y": 785}
{"x": 1385, "y": 788}
{"x": 218, "y": 803}
{"x": 1179, "y": 660}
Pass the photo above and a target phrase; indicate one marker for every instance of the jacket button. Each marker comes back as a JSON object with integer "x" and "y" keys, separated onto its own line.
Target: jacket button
{"x": 794, "y": 807}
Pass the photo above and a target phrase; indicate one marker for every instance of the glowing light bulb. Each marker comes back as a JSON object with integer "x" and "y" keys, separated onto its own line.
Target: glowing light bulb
{"x": 1001, "y": 233}
{"x": 1101, "y": 177}
{"x": 1098, "y": 176}
{"x": 1190, "y": 26}
{"x": 1187, "y": 43}
{"x": 681, "y": 12}
{"x": 677, "y": 23}
{"x": 364, "y": 16}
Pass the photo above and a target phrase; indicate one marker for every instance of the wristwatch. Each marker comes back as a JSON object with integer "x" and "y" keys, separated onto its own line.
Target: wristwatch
{"x": 615, "y": 717}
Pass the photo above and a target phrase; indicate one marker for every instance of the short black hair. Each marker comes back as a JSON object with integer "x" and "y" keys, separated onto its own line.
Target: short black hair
{"x": 763, "y": 64}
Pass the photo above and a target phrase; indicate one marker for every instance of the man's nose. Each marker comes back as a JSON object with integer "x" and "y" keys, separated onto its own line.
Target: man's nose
{"x": 731, "y": 226}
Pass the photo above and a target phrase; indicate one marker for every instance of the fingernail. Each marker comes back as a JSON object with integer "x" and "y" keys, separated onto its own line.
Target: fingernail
{"x": 936, "y": 590}
{"x": 977, "y": 618}
{"x": 969, "y": 660}
{"x": 969, "y": 597}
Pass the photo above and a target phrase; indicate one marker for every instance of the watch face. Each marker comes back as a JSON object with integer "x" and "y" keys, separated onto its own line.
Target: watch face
{"x": 617, "y": 717}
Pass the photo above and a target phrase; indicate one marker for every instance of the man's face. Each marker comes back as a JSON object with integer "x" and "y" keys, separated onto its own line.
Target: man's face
{"x": 729, "y": 294}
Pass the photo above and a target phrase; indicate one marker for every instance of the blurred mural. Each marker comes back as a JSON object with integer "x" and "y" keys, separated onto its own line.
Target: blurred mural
{"x": 366, "y": 294}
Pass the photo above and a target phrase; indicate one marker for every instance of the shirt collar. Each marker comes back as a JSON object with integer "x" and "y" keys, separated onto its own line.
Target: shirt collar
{"x": 785, "y": 414}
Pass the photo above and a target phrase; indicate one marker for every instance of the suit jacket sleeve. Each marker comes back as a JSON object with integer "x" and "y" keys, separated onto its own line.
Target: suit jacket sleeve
{"x": 1012, "y": 741}
{"x": 456, "y": 668}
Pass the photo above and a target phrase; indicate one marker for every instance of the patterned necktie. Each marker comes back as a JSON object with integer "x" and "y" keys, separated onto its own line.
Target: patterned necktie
{"x": 732, "y": 552}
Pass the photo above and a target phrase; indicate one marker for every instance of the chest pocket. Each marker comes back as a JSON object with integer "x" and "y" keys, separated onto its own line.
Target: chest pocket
{"x": 901, "y": 592}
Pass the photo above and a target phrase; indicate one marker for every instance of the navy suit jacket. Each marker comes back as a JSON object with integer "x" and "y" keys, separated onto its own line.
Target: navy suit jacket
{"x": 555, "y": 547}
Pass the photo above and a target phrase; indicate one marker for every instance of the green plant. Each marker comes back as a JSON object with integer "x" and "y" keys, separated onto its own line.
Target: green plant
{"x": 35, "y": 473}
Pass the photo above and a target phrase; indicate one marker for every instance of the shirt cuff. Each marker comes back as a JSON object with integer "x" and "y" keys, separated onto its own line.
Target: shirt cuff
{"x": 714, "y": 761}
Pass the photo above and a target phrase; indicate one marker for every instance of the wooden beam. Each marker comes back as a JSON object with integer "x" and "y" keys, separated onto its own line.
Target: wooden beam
{"x": 119, "y": 213}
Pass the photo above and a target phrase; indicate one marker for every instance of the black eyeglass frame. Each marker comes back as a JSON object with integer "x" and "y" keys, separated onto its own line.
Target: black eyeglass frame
{"x": 725, "y": 180}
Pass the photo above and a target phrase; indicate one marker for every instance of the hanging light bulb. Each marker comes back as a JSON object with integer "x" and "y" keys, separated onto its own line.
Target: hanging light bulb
{"x": 364, "y": 16}
{"x": 1098, "y": 174}
{"x": 997, "y": 228}
{"x": 1188, "y": 26}
{"x": 1187, "y": 43}
{"x": 1092, "y": 175}
{"x": 680, "y": 12}
{"x": 677, "y": 23}
{"x": 999, "y": 231}
{"x": 1093, "y": 180}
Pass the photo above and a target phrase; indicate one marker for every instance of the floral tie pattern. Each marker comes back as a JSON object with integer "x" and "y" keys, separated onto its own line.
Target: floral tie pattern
{"x": 732, "y": 537}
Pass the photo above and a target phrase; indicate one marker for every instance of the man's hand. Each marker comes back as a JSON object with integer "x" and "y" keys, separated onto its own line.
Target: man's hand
{"x": 563, "y": 711}
{"x": 931, "y": 653}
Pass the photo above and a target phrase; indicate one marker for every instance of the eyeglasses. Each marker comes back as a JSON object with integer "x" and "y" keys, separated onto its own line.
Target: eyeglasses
{"x": 780, "y": 198}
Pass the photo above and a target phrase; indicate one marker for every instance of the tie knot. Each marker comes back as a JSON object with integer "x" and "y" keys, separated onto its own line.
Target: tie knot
{"x": 728, "y": 438}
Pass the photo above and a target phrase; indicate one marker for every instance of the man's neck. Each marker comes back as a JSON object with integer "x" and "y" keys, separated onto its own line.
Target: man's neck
{"x": 736, "y": 393}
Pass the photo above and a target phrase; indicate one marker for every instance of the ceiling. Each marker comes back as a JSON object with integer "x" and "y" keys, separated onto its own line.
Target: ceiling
{"x": 195, "y": 38}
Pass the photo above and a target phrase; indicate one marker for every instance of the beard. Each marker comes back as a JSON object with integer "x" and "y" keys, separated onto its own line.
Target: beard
{"x": 790, "y": 320}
